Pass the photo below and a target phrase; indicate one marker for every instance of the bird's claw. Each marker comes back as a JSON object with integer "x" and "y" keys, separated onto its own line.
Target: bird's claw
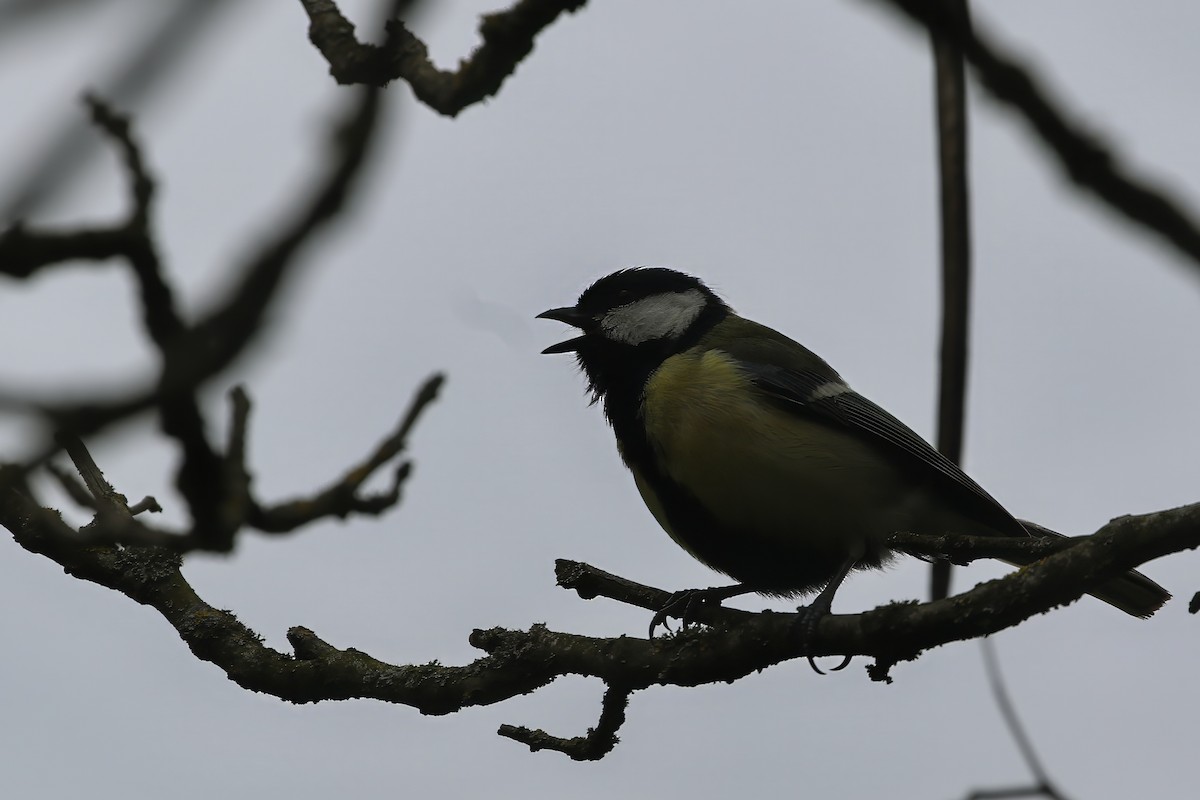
{"x": 812, "y": 662}
{"x": 686, "y": 605}
{"x": 806, "y": 627}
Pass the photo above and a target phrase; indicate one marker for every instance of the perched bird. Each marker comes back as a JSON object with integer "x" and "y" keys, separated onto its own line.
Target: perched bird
{"x": 757, "y": 458}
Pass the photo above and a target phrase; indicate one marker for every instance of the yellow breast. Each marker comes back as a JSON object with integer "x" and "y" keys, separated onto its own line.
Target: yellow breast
{"x": 762, "y": 470}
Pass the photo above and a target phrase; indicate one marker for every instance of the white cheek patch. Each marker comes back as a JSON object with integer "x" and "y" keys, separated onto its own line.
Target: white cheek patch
{"x": 662, "y": 316}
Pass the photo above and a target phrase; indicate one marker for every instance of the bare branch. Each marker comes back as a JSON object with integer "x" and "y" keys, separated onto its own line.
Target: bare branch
{"x": 223, "y": 334}
{"x": 518, "y": 662}
{"x": 589, "y": 583}
{"x": 70, "y": 483}
{"x": 1042, "y": 783}
{"x": 179, "y": 411}
{"x": 1014, "y": 792}
{"x": 233, "y": 500}
{"x": 507, "y": 38}
{"x": 951, "y": 90}
{"x": 147, "y": 503}
{"x": 25, "y": 251}
{"x": 963, "y": 548}
{"x": 342, "y": 498}
{"x": 146, "y": 67}
{"x": 1083, "y": 156}
{"x": 114, "y": 519}
{"x": 104, "y": 496}
{"x": 594, "y": 745}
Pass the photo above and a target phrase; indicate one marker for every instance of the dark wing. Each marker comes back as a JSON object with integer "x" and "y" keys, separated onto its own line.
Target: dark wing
{"x": 820, "y": 392}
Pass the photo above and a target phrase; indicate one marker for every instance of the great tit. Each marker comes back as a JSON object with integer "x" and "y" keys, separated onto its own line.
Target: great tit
{"x": 756, "y": 457}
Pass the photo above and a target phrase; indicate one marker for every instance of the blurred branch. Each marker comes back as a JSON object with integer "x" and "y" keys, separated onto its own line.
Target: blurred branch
{"x": 518, "y": 662}
{"x": 199, "y": 352}
{"x": 1083, "y": 156}
{"x": 1042, "y": 786}
{"x": 1014, "y": 792}
{"x": 232, "y": 500}
{"x": 24, "y": 251}
{"x": 951, "y": 92}
{"x": 215, "y": 486}
{"x": 179, "y": 411}
{"x": 153, "y": 60}
{"x": 507, "y": 38}
{"x": 16, "y": 13}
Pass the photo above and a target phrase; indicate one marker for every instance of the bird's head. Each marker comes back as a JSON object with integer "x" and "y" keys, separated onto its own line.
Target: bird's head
{"x": 633, "y": 319}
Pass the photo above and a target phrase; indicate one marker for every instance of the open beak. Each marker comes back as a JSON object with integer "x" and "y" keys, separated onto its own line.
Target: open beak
{"x": 572, "y": 316}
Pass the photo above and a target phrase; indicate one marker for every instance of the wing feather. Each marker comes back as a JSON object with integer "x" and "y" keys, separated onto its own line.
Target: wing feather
{"x": 820, "y": 394}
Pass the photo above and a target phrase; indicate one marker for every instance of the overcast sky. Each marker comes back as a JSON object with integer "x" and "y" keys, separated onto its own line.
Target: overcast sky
{"x": 781, "y": 151}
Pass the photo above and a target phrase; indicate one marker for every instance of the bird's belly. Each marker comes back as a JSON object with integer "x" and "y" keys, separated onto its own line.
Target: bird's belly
{"x": 774, "y": 494}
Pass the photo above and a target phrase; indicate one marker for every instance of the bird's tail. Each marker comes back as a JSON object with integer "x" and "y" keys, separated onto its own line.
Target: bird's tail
{"x": 1133, "y": 592}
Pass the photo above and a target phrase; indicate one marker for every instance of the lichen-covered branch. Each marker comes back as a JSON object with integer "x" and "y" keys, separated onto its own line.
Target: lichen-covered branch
{"x": 518, "y": 662}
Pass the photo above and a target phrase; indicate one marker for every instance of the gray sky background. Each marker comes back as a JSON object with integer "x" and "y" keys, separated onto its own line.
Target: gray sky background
{"x": 783, "y": 152}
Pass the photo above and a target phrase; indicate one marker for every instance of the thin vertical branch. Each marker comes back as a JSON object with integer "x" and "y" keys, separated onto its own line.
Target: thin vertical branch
{"x": 1042, "y": 784}
{"x": 951, "y": 91}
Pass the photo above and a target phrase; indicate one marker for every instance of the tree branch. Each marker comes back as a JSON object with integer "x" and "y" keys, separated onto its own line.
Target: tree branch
{"x": 507, "y": 38}
{"x": 201, "y": 351}
{"x": 179, "y": 411}
{"x": 592, "y": 746}
{"x": 963, "y": 548}
{"x": 342, "y": 498}
{"x": 25, "y": 251}
{"x": 114, "y": 523}
{"x": 951, "y": 91}
{"x": 518, "y": 662}
{"x": 1083, "y": 156}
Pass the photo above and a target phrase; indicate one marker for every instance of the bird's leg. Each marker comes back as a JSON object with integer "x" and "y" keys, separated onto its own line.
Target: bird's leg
{"x": 811, "y": 614}
{"x": 686, "y": 603}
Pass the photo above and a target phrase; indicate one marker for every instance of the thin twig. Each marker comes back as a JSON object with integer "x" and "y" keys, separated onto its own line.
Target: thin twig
{"x": 101, "y": 490}
{"x": 71, "y": 484}
{"x": 592, "y": 746}
{"x": 343, "y": 497}
{"x": 147, "y": 503}
{"x": 1042, "y": 783}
